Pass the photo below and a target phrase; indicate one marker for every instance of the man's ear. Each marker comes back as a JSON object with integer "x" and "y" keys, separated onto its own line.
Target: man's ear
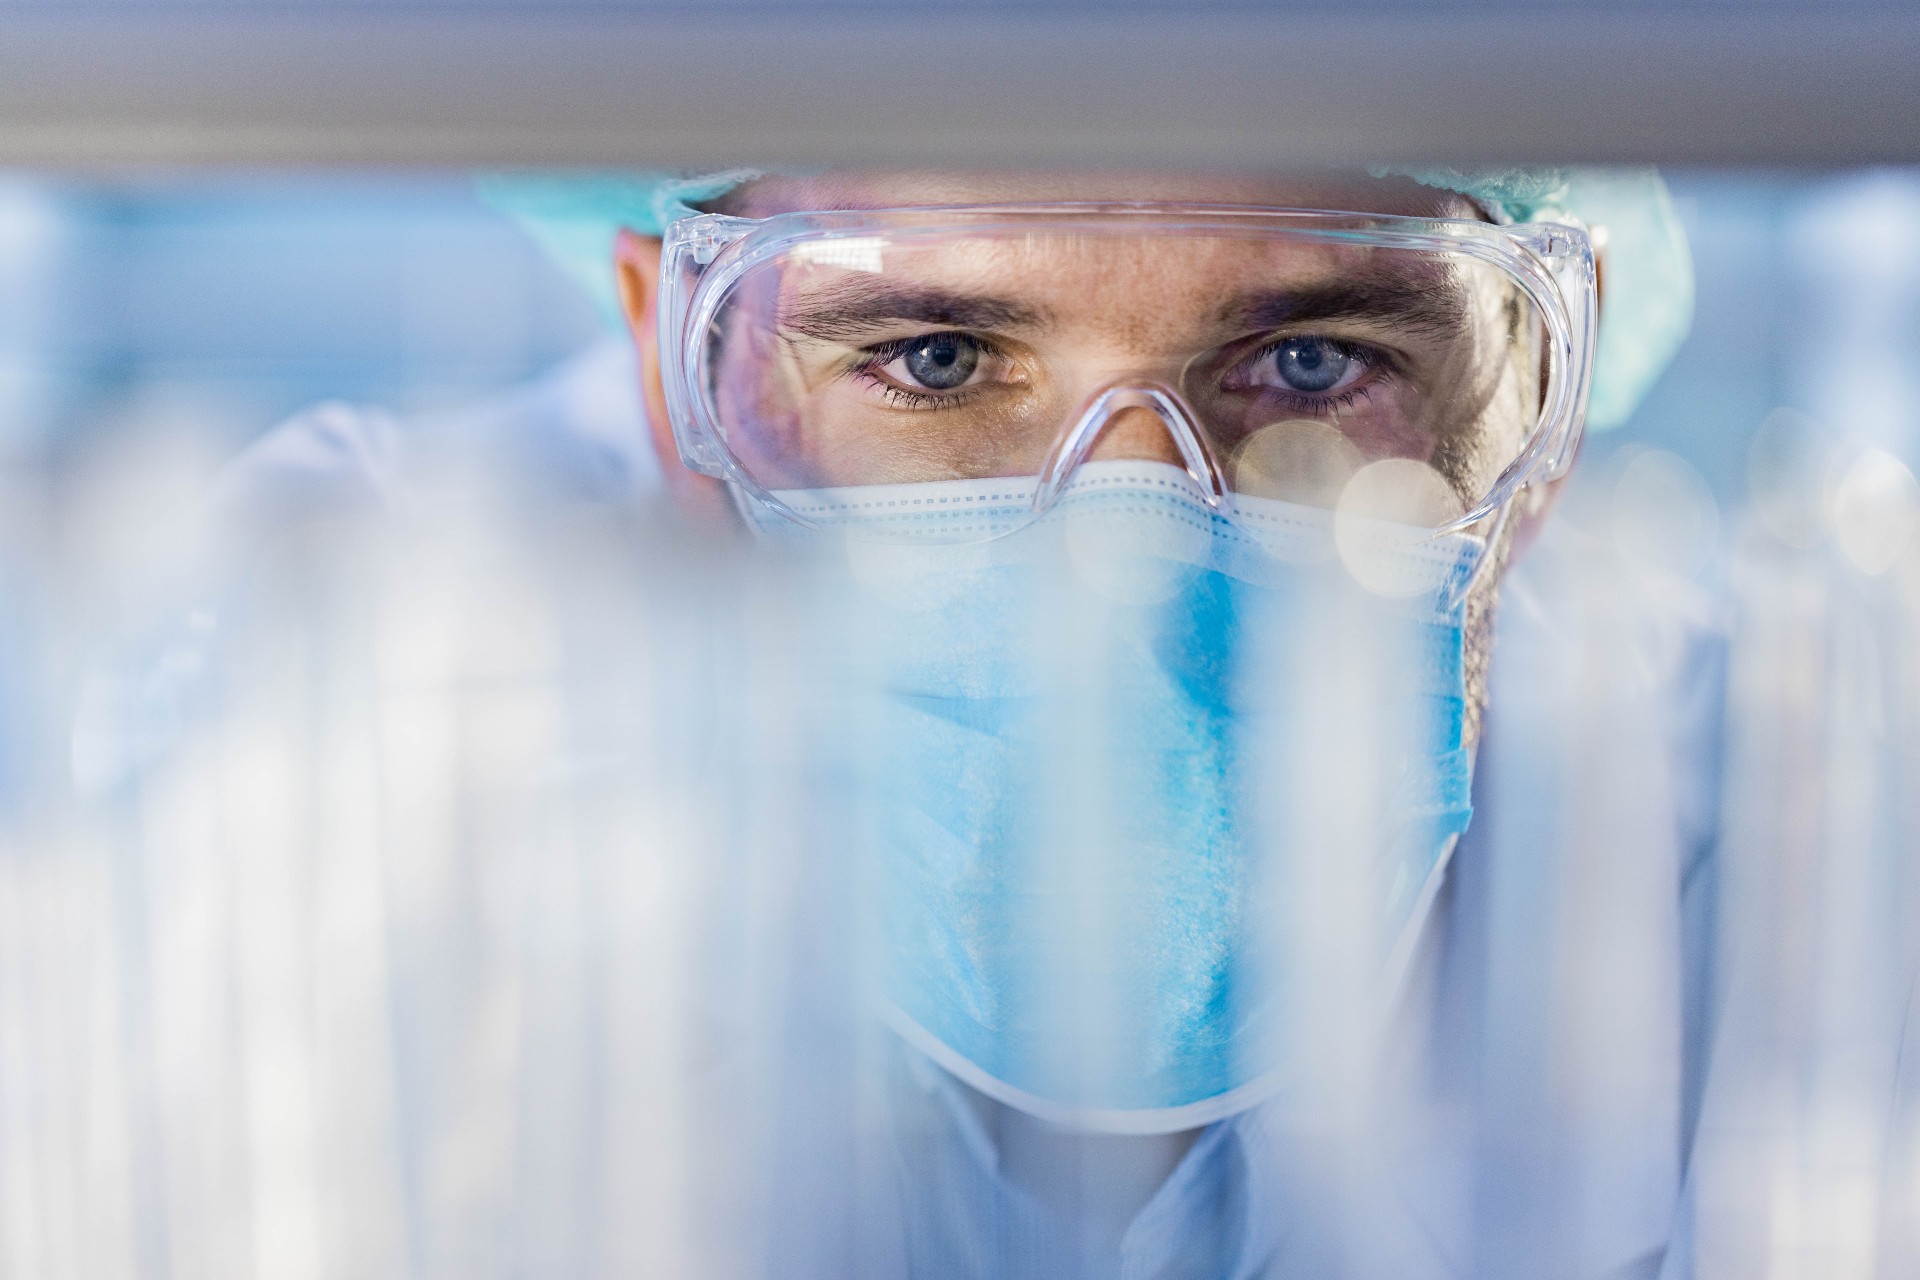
{"x": 637, "y": 269}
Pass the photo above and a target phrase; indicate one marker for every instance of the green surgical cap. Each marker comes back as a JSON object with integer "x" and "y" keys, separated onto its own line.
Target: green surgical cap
{"x": 575, "y": 217}
{"x": 1648, "y": 269}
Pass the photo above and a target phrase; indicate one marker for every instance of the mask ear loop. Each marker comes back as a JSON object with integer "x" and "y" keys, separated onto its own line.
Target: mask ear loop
{"x": 1195, "y": 457}
{"x": 1465, "y": 584}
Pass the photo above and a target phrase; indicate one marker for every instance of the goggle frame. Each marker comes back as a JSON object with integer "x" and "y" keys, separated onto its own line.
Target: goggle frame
{"x": 1551, "y": 260}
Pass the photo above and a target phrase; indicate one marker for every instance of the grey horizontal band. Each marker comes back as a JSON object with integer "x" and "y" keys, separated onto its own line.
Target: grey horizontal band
{"x": 487, "y": 84}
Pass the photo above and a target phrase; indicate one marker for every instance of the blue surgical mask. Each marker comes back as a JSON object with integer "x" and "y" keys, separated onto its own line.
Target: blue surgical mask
{"x": 1088, "y": 757}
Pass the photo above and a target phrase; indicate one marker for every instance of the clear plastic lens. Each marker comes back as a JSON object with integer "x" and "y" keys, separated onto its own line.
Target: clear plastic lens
{"x": 1267, "y": 361}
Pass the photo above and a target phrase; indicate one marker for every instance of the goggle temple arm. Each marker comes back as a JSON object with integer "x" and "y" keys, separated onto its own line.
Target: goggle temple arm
{"x": 688, "y": 249}
{"x": 1565, "y": 249}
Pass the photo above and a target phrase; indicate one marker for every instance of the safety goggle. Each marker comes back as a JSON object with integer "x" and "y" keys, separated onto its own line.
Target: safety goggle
{"x": 1270, "y": 353}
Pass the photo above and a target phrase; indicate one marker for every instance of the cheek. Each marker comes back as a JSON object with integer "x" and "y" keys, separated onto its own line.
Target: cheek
{"x": 1504, "y": 426}
{"x": 796, "y": 428}
{"x": 756, "y": 417}
{"x": 1488, "y": 417}
{"x": 1389, "y": 429}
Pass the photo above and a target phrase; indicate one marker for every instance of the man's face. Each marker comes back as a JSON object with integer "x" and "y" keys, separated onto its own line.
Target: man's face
{"x": 967, "y": 358}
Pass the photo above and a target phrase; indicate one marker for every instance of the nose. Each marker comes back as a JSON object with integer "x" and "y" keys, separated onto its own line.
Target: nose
{"x": 1136, "y": 434}
{"x": 1146, "y": 422}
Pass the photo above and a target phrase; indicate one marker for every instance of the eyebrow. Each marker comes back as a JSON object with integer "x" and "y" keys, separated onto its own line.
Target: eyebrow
{"x": 853, "y": 308}
{"x": 1438, "y": 309}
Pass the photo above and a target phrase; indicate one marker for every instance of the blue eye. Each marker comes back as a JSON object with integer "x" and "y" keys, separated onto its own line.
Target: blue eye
{"x": 941, "y": 361}
{"x": 1310, "y": 364}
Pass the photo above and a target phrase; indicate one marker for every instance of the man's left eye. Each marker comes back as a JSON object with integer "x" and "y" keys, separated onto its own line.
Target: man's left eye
{"x": 940, "y": 361}
{"x": 1307, "y": 365}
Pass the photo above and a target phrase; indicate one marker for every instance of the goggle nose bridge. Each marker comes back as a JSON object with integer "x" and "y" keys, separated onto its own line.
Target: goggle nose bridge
{"x": 1072, "y": 449}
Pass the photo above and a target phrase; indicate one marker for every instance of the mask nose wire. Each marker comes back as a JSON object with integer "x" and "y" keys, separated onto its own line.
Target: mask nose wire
{"x": 1073, "y": 447}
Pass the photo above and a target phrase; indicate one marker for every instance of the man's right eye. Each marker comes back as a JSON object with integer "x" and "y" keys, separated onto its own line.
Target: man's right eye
{"x": 934, "y": 365}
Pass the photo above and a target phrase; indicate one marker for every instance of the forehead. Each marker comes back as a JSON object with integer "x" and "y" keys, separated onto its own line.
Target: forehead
{"x": 766, "y": 196}
{"x": 1157, "y": 294}
{"x": 1181, "y": 291}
